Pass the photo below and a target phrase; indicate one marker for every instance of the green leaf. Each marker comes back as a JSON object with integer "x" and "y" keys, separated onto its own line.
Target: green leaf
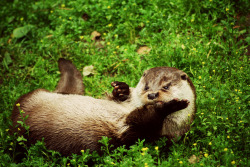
{"x": 247, "y": 40}
{"x": 22, "y": 31}
{"x": 21, "y": 138}
{"x": 10, "y": 19}
{"x": 243, "y": 31}
{"x": 20, "y": 122}
{"x": 6, "y": 60}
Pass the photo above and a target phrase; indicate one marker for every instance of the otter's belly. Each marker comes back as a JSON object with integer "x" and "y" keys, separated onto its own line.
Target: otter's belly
{"x": 58, "y": 106}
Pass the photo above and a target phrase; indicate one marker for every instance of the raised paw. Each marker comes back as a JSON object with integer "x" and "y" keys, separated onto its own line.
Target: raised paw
{"x": 175, "y": 105}
{"x": 120, "y": 91}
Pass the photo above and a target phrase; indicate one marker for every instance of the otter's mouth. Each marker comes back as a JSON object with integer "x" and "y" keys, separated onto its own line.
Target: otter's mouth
{"x": 159, "y": 102}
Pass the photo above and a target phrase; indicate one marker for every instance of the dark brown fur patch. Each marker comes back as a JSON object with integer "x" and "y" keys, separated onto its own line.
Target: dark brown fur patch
{"x": 146, "y": 122}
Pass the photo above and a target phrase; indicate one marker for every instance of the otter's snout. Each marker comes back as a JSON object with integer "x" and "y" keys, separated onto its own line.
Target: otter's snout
{"x": 153, "y": 96}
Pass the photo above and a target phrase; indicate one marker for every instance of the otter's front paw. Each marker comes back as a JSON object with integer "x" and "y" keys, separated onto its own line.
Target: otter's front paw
{"x": 121, "y": 90}
{"x": 175, "y": 105}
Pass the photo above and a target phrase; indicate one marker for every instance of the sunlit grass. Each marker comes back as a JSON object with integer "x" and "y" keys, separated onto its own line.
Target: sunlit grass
{"x": 206, "y": 39}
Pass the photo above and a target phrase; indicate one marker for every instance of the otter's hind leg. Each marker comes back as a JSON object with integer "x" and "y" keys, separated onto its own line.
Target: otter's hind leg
{"x": 71, "y": 79}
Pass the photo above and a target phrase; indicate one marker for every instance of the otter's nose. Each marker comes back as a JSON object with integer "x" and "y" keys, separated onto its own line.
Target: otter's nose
{"x": 153, "y": 96}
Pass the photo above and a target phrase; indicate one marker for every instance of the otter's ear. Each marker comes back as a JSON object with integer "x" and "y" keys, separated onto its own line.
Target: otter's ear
{"x": 184, "y": 76}
{"x": 145, "y": 73}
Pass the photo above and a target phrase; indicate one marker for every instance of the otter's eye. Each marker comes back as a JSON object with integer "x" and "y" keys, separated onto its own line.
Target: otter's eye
{"x": 146, "y": 87}
{"x": 167, "y": 86}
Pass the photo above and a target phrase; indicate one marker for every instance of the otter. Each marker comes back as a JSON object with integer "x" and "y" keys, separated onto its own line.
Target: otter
{"x": 161, "y": 84}
{"x": 70, "y": 122}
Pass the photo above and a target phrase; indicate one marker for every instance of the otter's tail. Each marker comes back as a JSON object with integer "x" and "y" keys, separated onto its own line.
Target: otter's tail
{"x": 71, "y": 79}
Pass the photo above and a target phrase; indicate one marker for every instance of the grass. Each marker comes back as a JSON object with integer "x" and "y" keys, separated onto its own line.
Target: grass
{"x": 207, "y": 39}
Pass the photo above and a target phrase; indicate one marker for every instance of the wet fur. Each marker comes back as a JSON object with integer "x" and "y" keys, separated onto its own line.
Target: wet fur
{"x": 70, "y": 123}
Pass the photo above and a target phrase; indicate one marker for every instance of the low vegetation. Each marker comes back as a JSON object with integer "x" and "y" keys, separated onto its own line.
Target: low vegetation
{"x": 208, "y": 39}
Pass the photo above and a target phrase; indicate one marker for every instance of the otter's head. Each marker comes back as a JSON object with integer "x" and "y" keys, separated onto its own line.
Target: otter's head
{"x": 162, "y": 84}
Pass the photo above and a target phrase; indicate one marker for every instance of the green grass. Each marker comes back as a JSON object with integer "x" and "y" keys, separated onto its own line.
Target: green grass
{"x": 207, "y": 39}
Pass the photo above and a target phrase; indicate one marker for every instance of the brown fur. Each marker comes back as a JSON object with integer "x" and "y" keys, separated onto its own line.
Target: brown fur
{"x": 151, "y": 86}
{"x": 71, "y": 80}
{"x": 70, "y": 123}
